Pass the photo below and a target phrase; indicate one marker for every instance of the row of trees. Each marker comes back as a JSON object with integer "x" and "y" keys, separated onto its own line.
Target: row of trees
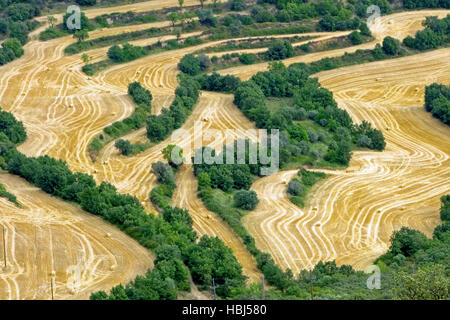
{"x": 186, "y": 96}
{"x": 435, "y": 34}
{"x": 139, "y": 94}
{"x": 309, "y": 100}
{"x": 171, "y": 235}
{"x": 437, "y": 101}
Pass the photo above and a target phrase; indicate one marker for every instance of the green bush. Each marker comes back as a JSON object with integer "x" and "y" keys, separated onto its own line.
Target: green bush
{"x": 139, "y": 94}
{"x": 246, "y": 200}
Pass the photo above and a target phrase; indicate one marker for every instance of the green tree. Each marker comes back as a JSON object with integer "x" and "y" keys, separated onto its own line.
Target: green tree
{"x": 355, "y": 38}
{"x": 163, "y": 173}
{"x": 15, "y": 45}
{"x": 51, "y": 21}
{"x": 85, "y": 57}
{"x": 428, "y": 283}
{"x": 173, "y": 17}
{"x": 124, "y": 146}
{"x": 390, "y": 46}
{"x": 245, "y": 199}
{"x": 173, "y": 150}
{"x": 81, "y": 35}
{"x": 407, "y": 242}
{"x": 190, "y": 64}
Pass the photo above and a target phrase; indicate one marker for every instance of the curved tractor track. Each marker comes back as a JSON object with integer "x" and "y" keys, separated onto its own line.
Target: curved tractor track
{"x": 63, "y": 110}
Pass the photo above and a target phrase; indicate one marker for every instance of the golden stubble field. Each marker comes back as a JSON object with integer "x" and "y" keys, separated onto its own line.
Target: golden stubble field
{"x": 349, "y": 216}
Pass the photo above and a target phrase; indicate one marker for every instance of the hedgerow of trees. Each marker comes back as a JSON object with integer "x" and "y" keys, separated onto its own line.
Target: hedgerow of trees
{"x": 171, "y": 235}
{"x": 186, "y": 96}
{"x": 437, "y": 101}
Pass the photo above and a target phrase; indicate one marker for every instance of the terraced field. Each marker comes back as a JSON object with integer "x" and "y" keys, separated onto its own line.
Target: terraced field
{"x": 349, "y": 216}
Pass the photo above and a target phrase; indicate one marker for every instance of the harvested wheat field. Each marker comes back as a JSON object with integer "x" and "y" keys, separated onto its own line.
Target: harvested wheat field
{"x": 49, "y": 238}
{"x": 349, "y": 217}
